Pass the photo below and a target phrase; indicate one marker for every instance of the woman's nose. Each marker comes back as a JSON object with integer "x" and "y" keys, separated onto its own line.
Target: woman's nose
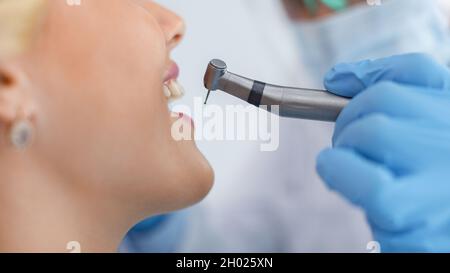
{"x": 172, "y": 25}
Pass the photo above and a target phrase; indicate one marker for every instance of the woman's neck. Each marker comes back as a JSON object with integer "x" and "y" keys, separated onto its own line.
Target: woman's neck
{"x": 41, "y": 212}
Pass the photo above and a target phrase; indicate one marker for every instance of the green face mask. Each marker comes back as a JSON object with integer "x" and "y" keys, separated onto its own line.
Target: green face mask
{"x": 313, "y": 5}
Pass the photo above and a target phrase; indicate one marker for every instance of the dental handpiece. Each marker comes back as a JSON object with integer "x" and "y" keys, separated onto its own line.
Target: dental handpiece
{"x": 293, "y": 102}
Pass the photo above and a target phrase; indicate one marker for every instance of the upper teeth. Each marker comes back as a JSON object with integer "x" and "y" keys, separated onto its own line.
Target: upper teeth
{"x": 173, "y": 90}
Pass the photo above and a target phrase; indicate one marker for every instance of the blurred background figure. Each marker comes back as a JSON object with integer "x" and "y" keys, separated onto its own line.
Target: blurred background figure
{"x": 274, "y": 201}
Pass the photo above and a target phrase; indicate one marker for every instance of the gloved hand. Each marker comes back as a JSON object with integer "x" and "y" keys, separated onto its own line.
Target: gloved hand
{"x": 391, "y": 149}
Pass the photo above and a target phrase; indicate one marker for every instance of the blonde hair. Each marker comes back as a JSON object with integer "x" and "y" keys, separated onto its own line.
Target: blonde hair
{"x": 19, "y": 20}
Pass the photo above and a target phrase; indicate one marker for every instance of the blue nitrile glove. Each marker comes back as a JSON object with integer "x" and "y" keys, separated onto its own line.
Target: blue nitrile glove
{"x": 158, "y": 234}
{"x": 391, "y": 149}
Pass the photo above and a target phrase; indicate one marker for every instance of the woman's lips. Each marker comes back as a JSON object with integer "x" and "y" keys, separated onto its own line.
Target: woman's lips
{"x": 172, "y": 89}
{"x": 172, "y": 73}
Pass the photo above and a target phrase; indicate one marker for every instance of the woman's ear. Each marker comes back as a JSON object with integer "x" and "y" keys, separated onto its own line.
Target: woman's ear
{"x": 15, "y": 99}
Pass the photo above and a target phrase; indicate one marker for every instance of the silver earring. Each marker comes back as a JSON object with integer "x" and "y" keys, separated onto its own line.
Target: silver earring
{"x": 21, "y": 133}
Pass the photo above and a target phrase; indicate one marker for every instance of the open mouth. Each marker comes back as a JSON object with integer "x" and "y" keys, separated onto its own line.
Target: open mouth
{"x": 172, "y": 88}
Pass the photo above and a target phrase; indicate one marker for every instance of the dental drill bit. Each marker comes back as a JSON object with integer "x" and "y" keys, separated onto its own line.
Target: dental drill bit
{"x": 301, "y": 103}
{"x": 207, "y": 96}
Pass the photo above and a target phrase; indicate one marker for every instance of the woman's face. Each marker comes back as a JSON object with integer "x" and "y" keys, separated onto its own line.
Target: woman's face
{"x": 96, "y": 76}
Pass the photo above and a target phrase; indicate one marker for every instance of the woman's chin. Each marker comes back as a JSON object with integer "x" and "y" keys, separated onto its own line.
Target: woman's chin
{"x": 206, "y": 179}
{"x": 199, "y": 181}
{"x": 193, "y": 171}
{"x": 189, "y": 178}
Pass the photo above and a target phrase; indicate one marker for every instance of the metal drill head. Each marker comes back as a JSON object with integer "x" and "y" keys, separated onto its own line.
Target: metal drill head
{"x": 216, "y": 69}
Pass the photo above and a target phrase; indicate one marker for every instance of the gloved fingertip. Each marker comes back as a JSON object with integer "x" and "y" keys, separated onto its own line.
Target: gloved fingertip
{"x": 331, "y": 76}
{"x": 343, "y": 80}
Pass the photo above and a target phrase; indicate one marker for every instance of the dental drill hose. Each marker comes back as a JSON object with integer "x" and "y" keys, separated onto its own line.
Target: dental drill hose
{"x": 298, "y": 103}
